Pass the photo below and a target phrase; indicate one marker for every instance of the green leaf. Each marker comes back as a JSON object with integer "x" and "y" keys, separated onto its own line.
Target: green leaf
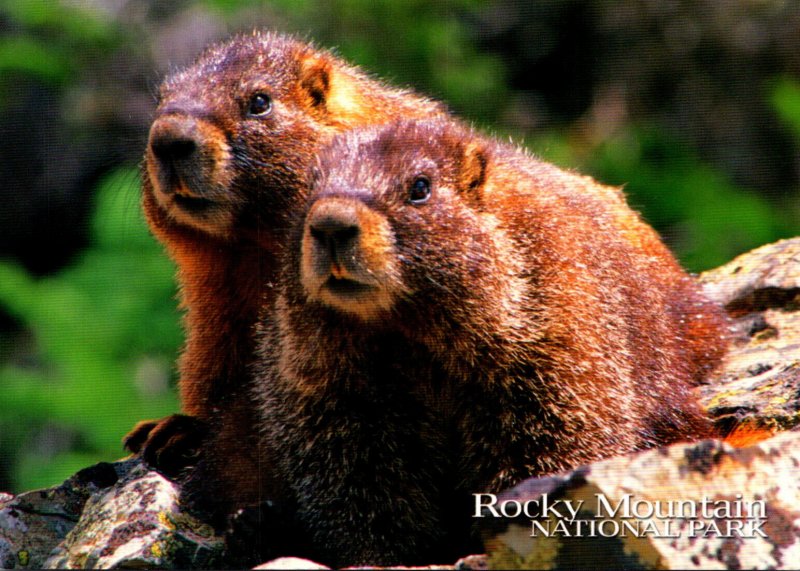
{"x": 785, "y": 99}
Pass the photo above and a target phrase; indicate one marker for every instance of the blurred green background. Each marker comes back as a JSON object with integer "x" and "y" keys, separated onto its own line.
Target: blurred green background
{"x": 694, "y": 106}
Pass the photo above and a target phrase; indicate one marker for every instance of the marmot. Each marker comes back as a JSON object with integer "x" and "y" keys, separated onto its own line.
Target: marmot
{"x": 227, "y": 159}
{"x": 454, "y": 316}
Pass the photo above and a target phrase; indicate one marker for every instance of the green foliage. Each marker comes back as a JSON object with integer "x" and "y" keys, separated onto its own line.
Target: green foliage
{"x": 70, "y": 22}
{"x": 106, "y": 335}
{"x": 50, "y": 40}
{"x": 785, "y": 99}
{"x": 31, "y": 57}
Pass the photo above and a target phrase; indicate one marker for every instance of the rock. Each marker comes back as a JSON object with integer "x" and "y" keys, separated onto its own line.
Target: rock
{"x": 283, "y": 563}
{"x": 724, "y": 508}
{"x": 138, "y": 523}
{"x": 469, "y": 563}
{"x": 759, "y": 382}
{"x": 472, "y": 563}
{"x": 107, "y": 516}
{"x": 34, "y": 523}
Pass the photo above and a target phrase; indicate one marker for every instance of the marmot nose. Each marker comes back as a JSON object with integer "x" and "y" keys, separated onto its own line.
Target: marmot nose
{"x": 334, "y": 229}
{"x": 175, "y": 142}
{"x": 170, "y": 147}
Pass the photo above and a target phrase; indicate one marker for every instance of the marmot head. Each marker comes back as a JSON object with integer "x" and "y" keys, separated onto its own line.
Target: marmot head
{"x": 235, "y": 133}
{"x": 396, "y": 219}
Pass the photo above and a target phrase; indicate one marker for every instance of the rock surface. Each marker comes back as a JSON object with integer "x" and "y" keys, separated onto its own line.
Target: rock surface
{"x": 283, "y": 563}
{"x": 121, "y": 515}
{"x": 107, "y": 516}
{"x": 470, "y": 563}
{"x": 33, "y": 524}
{"x": 759, "y": 382}
{"x": 738, "y": 509}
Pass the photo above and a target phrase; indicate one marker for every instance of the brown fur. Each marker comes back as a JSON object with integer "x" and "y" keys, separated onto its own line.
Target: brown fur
{"x": 520, "y": 321}
{"x": 218, "y": 184}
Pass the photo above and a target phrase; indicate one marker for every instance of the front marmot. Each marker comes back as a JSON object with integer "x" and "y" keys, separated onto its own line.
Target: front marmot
{"x": 454, "y": 316}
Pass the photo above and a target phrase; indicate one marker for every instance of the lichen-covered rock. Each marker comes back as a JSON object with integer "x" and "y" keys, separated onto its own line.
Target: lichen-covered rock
{"x": 690, "y": 506}
{"x": 107, "y": 516}
{"x": 34, "y": 523}
{"x": 137, "y": 523}
{"x": 759, "y": 382}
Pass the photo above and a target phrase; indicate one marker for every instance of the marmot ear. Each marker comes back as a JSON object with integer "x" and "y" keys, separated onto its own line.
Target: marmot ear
{"x": 473, "y": 171}
{"x": 315, "y": 79}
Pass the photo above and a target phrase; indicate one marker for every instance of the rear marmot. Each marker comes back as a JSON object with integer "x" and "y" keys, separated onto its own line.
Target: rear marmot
{"x": 454, "y": 316}
{"x": 227, "y": 159}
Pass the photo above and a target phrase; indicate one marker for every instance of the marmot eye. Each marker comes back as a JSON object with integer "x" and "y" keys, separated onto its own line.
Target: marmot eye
{"x": 420, "y": 190}
{"x": 260, "y": 104}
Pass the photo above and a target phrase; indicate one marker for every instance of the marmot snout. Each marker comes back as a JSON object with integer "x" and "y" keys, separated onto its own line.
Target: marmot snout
{"x": 188, "y": 163}
{"x": 348, "y": 260}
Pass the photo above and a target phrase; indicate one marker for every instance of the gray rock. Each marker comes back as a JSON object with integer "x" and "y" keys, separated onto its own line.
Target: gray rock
{"x": 285, "y": 563}
{"x": 34, "y": 523}
{"x": 759, "y": 382}
{"x": 469, "y": 563}
{"x": 137, "y": 523}
{"x": 108, "y": 516}
{"x": 736, "y": 510}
